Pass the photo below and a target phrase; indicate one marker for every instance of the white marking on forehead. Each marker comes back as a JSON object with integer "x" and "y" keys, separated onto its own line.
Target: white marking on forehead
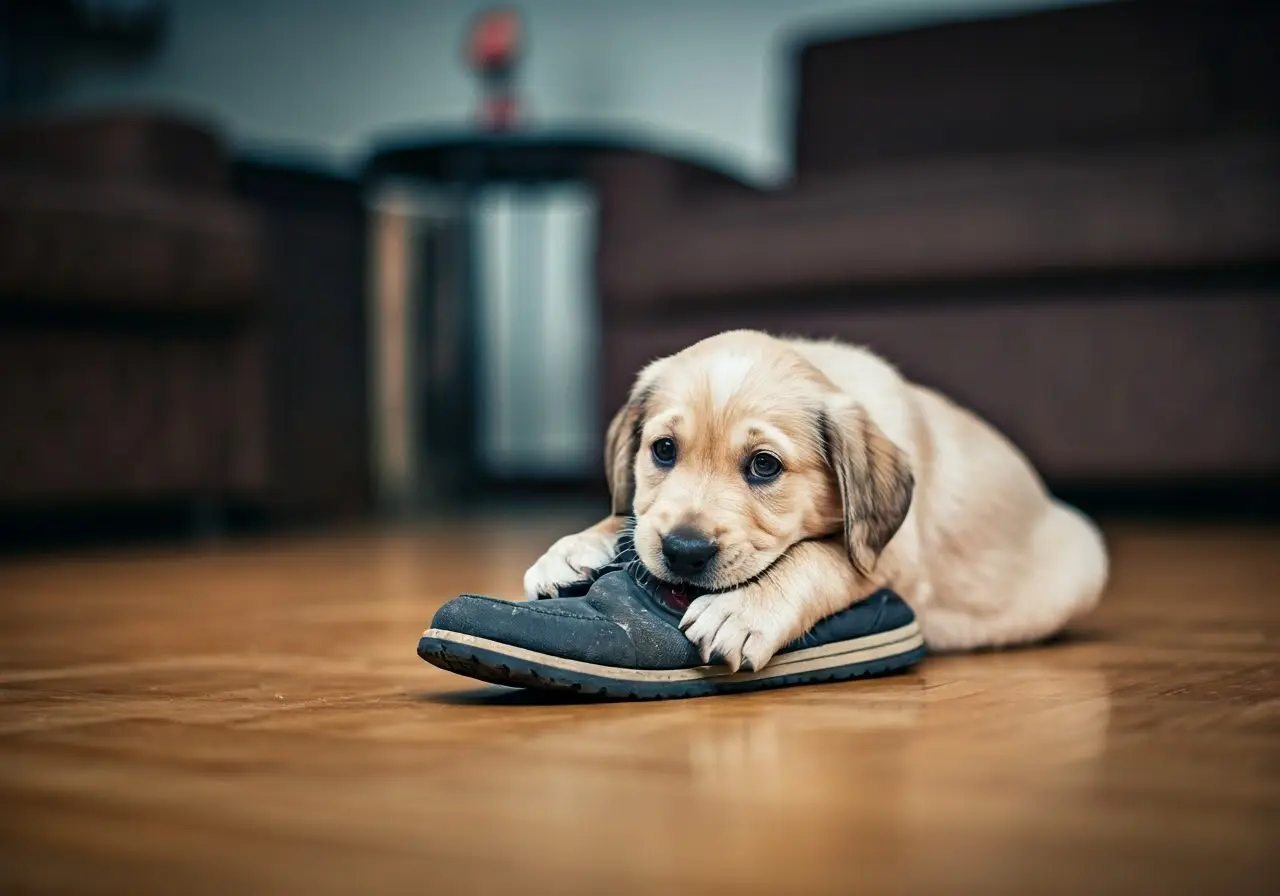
{"x": 666, "y": 420}
{"x": 727, "y": 374}
{"x": 769, "y": 434}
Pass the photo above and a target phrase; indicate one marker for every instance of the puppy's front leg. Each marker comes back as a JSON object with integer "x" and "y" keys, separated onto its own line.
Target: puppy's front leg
{"x": 573, "y": 558}
{"x": 744, "y": 628}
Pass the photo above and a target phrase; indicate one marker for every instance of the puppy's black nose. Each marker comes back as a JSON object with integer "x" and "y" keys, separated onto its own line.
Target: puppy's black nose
{"x": 687, "y": 552}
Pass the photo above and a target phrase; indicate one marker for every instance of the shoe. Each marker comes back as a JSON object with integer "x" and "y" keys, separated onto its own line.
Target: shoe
{"x": 618, "y": 637}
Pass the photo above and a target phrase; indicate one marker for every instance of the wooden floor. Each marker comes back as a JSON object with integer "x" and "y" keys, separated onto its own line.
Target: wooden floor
{"x": 253, "y": 719}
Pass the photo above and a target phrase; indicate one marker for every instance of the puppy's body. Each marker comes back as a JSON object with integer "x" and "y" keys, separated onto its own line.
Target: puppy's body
{"x": 881, "y": 483}
{"x": 996, "y": 560}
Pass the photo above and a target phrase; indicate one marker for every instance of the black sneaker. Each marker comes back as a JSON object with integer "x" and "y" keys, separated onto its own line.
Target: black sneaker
{"x": 613, "y": 636}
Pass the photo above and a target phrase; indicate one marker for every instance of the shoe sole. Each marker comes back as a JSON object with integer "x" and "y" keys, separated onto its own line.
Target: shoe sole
{"x": 505, "y": 664}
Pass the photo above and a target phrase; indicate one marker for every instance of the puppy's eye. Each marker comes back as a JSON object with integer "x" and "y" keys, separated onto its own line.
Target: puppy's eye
{"x": 763, "y": 467}
{"x": 664, "y": 452}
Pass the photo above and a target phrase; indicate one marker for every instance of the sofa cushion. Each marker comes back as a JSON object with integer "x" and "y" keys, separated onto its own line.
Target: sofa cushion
{"x": 1095, "y": 384}
{"x": 1133, "y": 209}
{"x": 126, "y": 245}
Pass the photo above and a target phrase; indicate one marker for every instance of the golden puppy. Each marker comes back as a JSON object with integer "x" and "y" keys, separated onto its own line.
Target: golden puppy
{"x": 776, "y": 481}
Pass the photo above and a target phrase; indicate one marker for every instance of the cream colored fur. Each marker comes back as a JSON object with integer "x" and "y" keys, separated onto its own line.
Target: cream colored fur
{"x": 984, "y": 555}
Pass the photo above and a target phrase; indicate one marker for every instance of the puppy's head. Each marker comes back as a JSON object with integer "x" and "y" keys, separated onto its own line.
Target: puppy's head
{"x": 735, "y": 449}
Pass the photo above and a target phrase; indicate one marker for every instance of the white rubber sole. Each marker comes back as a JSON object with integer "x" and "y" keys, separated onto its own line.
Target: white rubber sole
{"x": 506, "y": 664}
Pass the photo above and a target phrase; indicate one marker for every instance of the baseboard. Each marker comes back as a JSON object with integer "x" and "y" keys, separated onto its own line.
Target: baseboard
{"x": 94, "y": 525}
{"x": 1234, "y": 499}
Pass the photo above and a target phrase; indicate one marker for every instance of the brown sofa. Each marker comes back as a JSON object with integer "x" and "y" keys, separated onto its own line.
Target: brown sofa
{"x": 130, "y": 356}
{"x": 177, "y": 327}
{"x": 1069, "y": 220}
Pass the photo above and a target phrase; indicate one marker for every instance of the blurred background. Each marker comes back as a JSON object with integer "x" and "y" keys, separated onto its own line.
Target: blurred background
{"x": 282, "y": 262}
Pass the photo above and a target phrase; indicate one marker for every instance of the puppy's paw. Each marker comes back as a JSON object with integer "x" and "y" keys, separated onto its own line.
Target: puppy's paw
{"x": 571, "y": 559}
{"x": 737, "y": 628}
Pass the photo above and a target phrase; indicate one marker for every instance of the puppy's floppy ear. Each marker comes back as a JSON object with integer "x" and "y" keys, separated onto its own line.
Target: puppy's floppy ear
{"x": 621, "y": 443}
{"x": 874, "y": 480}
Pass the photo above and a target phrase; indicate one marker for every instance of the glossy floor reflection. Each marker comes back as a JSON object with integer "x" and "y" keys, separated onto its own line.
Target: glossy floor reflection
{"x": 253, "y": 719}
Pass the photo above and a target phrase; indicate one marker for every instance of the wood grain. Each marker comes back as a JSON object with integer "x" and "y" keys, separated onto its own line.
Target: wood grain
{"x": 252, "y": 719}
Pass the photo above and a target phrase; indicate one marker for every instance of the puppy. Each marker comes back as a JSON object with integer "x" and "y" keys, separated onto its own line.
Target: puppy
{"x": 774, "y": 482}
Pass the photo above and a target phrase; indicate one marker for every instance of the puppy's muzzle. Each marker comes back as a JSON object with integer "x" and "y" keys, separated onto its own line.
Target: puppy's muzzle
{"x": 688, "y": 553}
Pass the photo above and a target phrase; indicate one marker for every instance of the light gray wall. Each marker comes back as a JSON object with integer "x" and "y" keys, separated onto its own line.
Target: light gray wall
{"x": 328, "y": 75}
